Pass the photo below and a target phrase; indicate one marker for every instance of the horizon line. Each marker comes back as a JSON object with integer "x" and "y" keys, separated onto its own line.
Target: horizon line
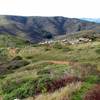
{"x": 19, "y": 15}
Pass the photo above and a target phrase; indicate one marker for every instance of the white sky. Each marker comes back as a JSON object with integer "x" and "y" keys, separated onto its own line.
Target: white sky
{"x": 67, "y": 8}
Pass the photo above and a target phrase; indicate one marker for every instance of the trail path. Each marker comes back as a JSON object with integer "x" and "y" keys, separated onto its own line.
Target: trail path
{"x": 60, "y": 62}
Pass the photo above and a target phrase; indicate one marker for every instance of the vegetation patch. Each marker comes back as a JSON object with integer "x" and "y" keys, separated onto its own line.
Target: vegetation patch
{"x": 93, "y": 94}
{"x": 53, "y": 71}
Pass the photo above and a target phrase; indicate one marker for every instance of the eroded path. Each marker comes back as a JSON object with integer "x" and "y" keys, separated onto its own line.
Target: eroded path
{"x": 60, "y": 62}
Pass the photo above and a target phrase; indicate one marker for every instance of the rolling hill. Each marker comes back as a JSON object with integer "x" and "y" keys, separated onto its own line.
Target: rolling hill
{"x": 37, "y": 28}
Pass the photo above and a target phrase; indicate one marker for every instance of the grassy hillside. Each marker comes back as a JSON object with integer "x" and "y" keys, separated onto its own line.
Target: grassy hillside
{"x": 7, "y": 40}
{"x": 50, "y": 71}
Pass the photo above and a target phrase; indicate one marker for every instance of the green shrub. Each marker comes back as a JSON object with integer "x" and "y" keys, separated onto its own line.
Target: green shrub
{"x": 47, "y": 35}
{"x": 78, "y": 95}
{"x": 29, "y": 57}
{"x": 47, "y": 48}
{"x": 66, "y": 49}
{"x": 57, "y": 45}
{"x": 3, "y": 54}
{"x": 43, "y": 71}
{"x": 17, "y": 64}
{"x": 92, "y": 79}
{"x": 17, "y": 58}
{"x": 42, "y": 83}
{"x": 25, "y": 88}
{"x": 98, "y": 51}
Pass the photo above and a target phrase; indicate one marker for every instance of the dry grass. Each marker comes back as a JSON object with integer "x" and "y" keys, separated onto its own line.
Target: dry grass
{"x": 61, "y": 94}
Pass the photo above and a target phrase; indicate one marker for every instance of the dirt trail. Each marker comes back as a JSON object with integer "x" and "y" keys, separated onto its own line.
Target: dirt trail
{"x": 60, "y": 62}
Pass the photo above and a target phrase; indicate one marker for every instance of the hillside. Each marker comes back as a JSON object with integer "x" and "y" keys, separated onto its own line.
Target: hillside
{"x": 37, "y": 28}
{"x": 65, "y": 66}
{"x": 7, "y": 40}
{"x": 54, "y": 71}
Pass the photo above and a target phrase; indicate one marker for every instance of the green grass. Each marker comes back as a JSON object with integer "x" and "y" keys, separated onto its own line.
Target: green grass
{"x": 30, "y": 66}
{"x": 12, "y": 41}
{"x": 78, "y": 95}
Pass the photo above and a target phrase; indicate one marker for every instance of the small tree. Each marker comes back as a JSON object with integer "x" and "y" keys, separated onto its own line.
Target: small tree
{"x": 47, "y": 35}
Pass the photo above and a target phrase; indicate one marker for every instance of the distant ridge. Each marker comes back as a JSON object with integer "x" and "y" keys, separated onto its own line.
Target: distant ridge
{"x": 96, "y": 20}
{"x": 38, "y": 28}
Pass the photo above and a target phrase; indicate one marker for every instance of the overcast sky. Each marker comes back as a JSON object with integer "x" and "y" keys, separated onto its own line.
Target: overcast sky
{"x": 67, "y": 8}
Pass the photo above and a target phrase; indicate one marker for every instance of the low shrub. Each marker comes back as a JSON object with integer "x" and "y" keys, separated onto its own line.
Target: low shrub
{"x": 58, "y": 83}
{"x": 93, "y": 94}
{"x": 57, "y": 45}
{"x": 3, "y": 54}
{"x": 92, "y": 79}
{"x": 43, "y": 71}
{"x": 17, "y": 58}
{"x": 29, "y": 57}
{"x": 47, "y": 48}
{"x": 22, "y": 89}
{"x": 78, "y": 95}
{"x": 17, "y": 64}
{"x": 63, "y": 93}
{"x": 83, "y": 70}
{"x": 66, "y": 49}
{"x": 97, "y": 51}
